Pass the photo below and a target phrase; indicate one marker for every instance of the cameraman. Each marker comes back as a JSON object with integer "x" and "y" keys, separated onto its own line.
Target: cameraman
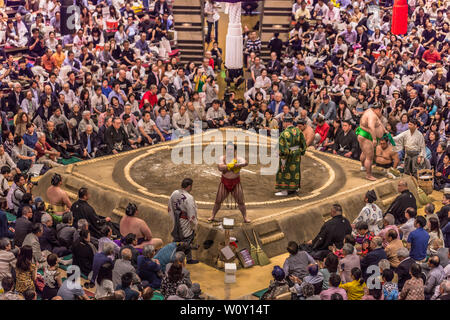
{"x": 211, "y": 91}
{"x": 239, "y": 115}
{"x": 216, "y": 116}
{"x": 254, "y": 119}
{"x": 18, "y": 189}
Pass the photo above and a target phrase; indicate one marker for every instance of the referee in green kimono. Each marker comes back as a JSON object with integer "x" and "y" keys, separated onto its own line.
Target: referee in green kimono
{"x": 292, "y": 145}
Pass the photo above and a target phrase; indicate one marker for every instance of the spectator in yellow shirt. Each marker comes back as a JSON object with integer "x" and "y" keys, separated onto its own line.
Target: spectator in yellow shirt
{"x": 355, "y": 288}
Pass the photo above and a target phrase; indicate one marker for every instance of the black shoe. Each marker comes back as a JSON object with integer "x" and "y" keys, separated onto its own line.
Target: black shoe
{"x": 192, "y": 261}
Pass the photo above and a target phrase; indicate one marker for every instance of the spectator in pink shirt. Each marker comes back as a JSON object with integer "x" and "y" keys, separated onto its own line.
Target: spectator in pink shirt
{"x": 335, "y": 281}
{"x": 389, "y": 224}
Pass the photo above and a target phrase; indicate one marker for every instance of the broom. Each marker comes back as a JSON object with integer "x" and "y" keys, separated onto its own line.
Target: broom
{"x": 262, "y": 257}
{"x": 252, "y": 249}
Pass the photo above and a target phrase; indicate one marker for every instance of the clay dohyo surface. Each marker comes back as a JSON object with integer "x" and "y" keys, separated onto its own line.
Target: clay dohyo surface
{"x": 160, "y": 175}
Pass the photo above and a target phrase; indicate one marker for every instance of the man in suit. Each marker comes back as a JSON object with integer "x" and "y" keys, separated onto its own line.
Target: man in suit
{"x": 403, "y": 201}
{"x": 56, "y": 88}
{"x": 89, "y": 143}
{"x": 161, "y": 8}
{"x": 276, "y": 105}
{"x": 274, "y": 65}
{"x": 32, "y": 240}
{"x": 23, "y": 225}
{"x": 403, "y": 268}
{"x": 375, "y": 255}
{"x": 48, "y": 240}
{"x": 438, "y": 156}
{"x": 15, "y": 98}
{"x": 413, "y": 100}
{"x": 332, "y": 233}
{"x": 153, "y": 77}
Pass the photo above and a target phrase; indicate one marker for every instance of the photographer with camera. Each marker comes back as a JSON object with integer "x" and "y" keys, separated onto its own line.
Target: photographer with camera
{"x": 17, "y": 191}
{"x": 216, "y": 116}
{"x": 254, "y": 118}
{"x": 239, "y": 115}
{"x": 250, "y": 95}
{"x": 211, "y": 90}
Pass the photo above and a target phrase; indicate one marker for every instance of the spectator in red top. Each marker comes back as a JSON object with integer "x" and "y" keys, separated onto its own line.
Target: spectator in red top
{"x": 45, "y": 153}
{"x": 321, "y": 131}
{"x": 149, "y": 97}
{"x": 431, "y": 55}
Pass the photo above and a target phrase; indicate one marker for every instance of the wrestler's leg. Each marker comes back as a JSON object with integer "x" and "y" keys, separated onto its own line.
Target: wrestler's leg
{"x": 367, "y": 148}
{"x": 238, "y": 194}
{"x": 222, "y": 194}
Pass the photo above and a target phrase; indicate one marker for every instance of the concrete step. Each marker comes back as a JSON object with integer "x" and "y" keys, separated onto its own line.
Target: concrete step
{"x": 186, "y": 35}
{"x": 276, "y": 4}
{"x": 186, "y": 3}
{"x": 181, "y": 18}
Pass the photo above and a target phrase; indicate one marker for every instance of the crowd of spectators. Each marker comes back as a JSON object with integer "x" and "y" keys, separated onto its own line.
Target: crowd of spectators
{"x": 373, "y": 258}
{"x": 115, "y": 84}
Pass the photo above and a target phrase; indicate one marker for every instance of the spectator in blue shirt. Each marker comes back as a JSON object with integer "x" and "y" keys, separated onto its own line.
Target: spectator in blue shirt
{"x": 418, "y": 240}
{"x": 30, "y": 137}
{"x": 149, "y": 268}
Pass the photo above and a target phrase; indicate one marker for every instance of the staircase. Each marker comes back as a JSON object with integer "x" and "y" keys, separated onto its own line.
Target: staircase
{"x": 275, "y": 17}
{"x": 188, "y": 17}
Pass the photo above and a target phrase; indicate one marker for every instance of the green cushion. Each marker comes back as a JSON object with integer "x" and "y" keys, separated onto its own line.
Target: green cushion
{"x": 68, "y": 257}
{"x": 69, "y": 161}
{"x": 157, "y": 296}
{"x": 259, "y": 293}
{"x": 56, "y": 218}
{"x": 10, "y": 217}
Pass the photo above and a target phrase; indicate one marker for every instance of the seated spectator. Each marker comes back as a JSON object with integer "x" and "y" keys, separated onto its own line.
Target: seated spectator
{"x": 434, "y": 278}
{"x": 403, "y": 268}
{"x": 349, "y": 261}
{"x": 125, "y": 285}
{"x": 418, "y": 240}
{"x": 71, "y": 290}
{"x": 298, "y": 261}
{"x": 107, "y": 238}
{"x": 370, "y": 213}
{"x": 388, "y": 224}
{"x": 81, "y": 209}
{"x": 23, "y": 226}
{"x": 414, "y": 287}
{"x": 149, "y": 268}
{"x": 26, "y": 270}
{"x": 390, "y": 289}
{"x": 394, "y": 244}
{"x": 332, "y": 232}
{"x": 403, "y": 201}
{"x": 52, "y": 278}
{"x": 170, "y": 283}
{"x": 9, "y": 292}
{"x": 334, "y": 282}
{"x": 45, "y": 154}
{"x": 277, "y": 286}
{"x": 7, "y": 259}
{"x": 355, "y": 288}
{"x": 66, "y": 233}
{"x": 375, "y": 255}
{"x": 83, "y": 253}
{"x": 101, "y": 258}
{"x": 180, "y": 259}
{"x": 104, "y": 285}
{"x": 123, "y": 266}
{"x": 32, "y": 240}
